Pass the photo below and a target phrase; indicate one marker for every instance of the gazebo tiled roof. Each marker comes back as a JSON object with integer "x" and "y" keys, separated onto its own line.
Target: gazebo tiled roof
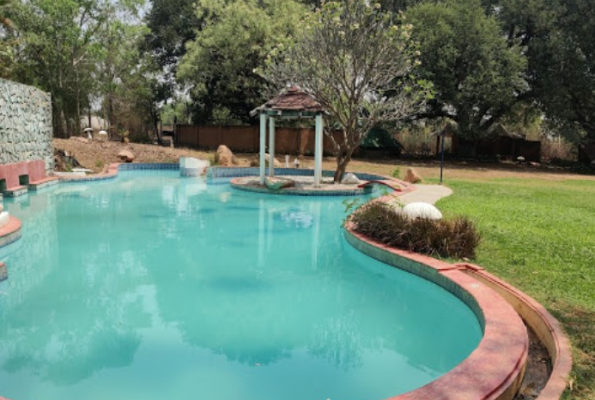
{"x": 293, "y": 100}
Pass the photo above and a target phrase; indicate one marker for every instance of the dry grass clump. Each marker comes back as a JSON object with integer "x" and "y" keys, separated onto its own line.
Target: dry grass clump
{"x": 454, "y": 238}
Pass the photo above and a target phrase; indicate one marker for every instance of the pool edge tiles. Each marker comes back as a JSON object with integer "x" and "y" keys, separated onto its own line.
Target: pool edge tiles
{"x": 494, "y": 370}
{"x": 114, "y": 168}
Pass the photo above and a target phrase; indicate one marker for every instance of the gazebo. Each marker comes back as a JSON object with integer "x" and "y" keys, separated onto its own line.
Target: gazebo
{"x": 291, "y": 103}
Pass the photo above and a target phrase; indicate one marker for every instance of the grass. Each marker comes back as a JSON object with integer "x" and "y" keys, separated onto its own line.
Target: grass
{"x": 539, "y": 235}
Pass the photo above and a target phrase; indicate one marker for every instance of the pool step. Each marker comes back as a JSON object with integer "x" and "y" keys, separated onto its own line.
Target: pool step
{"x": 43, "y": 183}
{"x": 16, "y": 191}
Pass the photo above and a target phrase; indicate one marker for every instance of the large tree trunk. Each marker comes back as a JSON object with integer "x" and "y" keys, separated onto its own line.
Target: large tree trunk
{"x": 343, "y": 159}
{"x": 110, "y": 117}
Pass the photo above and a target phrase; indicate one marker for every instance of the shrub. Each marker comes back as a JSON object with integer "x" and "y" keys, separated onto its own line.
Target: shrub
{"x": 397, "y": 173}
{"x": 455, "y": 238}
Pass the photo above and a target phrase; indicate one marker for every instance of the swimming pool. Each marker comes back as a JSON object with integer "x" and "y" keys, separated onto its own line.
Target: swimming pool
{"x": 151, "y": 286}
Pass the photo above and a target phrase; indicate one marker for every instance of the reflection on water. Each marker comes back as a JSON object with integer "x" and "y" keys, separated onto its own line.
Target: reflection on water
{"x": 165, "y": 287}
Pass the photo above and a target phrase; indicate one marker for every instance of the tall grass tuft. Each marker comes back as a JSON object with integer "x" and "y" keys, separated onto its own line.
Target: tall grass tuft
{"x": 455, "y": 238}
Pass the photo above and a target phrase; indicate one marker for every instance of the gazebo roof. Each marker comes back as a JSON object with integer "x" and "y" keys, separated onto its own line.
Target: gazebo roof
{"x": 292, "y": 102}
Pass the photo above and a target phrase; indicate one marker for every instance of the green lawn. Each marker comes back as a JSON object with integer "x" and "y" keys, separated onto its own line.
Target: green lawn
{"x": 539, "y": 235}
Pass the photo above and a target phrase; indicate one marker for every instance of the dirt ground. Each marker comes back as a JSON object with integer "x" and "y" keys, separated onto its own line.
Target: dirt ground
{"x": 96, "y": 156}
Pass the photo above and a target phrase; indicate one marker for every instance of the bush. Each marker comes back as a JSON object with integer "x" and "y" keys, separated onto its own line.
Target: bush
{"x": 455, "y": 238}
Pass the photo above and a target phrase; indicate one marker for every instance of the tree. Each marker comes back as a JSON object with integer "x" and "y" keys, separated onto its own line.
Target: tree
{"x": 356, "y": 61}
{"x": 236, "y": 36}
{"x": 171, "y": 24}
{"x": 6, "y": 42}
{"x": 84, "y": 52}
{"x": 557, "y": 38}
{"x": 387, "y": 5}
{"x": 123, "y": 71}
{"x": 58, "y": 54}
{"x": 477, "y": 75}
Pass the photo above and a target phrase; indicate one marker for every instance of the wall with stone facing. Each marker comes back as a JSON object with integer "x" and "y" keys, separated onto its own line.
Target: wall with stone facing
{"x": 25, "y": 125}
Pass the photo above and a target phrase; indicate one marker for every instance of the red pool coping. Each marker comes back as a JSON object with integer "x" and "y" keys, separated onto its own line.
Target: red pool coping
{"x": 10, "y": 233}
{"x": 545, "y": 326}
{"x": 494, "y": 370}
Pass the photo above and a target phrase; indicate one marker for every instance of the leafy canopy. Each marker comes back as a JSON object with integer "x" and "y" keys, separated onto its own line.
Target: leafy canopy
{"x": 235, "y": 38}
{"x": 356, "y": 61}
{"x": 7, "y": 44}
{"x": 477, "y": 75}
{"x": 557, "y": 36}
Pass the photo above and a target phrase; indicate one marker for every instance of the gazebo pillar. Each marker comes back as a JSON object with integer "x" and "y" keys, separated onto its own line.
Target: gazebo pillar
{"x": 318, "y": 151}
{"x": 271, "y": 146}
{"x": 263, "y": 134}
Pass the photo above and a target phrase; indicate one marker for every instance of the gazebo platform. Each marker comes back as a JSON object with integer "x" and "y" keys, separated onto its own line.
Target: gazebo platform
{"x": 304, "y": 186}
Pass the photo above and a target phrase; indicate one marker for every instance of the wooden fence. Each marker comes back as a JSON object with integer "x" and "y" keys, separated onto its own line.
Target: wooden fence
{"x": 246, "y": 139}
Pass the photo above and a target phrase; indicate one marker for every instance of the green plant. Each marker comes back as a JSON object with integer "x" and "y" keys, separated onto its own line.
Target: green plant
{"x": 99, "y": 164}
{"x": 351, "y": 205}
{"x": 396, "y": 173}
{"x": 381, "y": 222}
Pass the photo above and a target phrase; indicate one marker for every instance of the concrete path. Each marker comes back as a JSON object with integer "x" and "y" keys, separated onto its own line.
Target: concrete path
{"x": 426, "y": 193}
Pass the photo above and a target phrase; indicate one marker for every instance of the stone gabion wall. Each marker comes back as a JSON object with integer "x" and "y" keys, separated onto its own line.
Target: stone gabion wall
{"x": 25, "y": 125}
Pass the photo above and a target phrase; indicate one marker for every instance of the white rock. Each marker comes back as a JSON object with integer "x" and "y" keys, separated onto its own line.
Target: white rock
{"x": 520, "y": 159}
{"x": 350, "y": 179}
{"x": 422, "y": 210}
{"x": 4, "y": 217}
{"x": 83, "y": 170}
{"x": 190, "y": 166}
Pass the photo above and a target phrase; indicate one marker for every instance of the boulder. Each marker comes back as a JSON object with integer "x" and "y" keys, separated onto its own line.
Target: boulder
{"x": 225, "y": 157}
{"x": 274, "y": 183}
{"x": 126, "y": 156}
{"x": 350, "y": 179}
{"x": 422, "y": 210}
{"x": 412, "y": 176}
{"x": 190, "y": 166}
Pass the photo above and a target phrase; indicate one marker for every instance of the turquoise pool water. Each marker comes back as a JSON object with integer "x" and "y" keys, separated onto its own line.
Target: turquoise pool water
{"x": 155, "y": 287}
